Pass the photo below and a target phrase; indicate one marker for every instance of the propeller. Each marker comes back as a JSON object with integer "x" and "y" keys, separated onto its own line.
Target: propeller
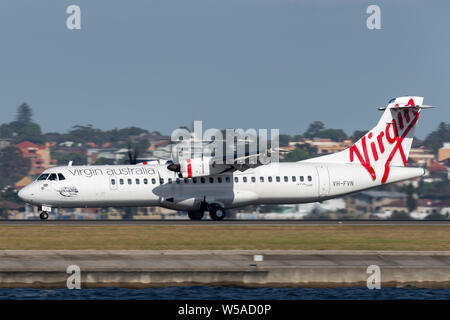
{"x": 132, "y": 155}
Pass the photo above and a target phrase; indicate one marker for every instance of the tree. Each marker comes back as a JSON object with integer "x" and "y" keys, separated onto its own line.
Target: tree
{"x": 13, "y": 166}
{"x": 400, "y": 216}
{"x": 411, "y": 201}
{"x": 333, "y": 134}
{"x": 358, "y": 134}
{"x": 24, "y": 114}
{"x": 102, "y": 161}
{"x": 297, "y": 155}
{"x": 436, "y": 138}
{"x": 64, "y": 158}
{"x": 435, "y": 216}
{"x": 314, "y": 129}
{"x": 284, "y": 140}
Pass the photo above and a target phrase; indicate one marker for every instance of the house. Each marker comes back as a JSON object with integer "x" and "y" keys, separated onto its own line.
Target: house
{"x": 325, "y": 146}
{"x": 4, "y": 143}
{"x": 444, "y": 152}
{"x": 368, "y": 202}
{"x": 436, "y": 172}
{"x": 421, "y": 156}
{"x": 39, "y": 156}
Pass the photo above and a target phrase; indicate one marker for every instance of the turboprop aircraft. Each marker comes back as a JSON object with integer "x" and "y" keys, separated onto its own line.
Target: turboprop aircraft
{"x": 202, "y": 184}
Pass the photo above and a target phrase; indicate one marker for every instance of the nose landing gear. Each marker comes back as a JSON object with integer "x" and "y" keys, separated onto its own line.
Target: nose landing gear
{"x": 45, "y": 209}
{"x": 43, "y": 215}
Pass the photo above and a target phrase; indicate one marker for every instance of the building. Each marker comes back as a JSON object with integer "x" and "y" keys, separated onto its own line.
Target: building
{"x": 436, "y": 172}
{"x": 39, "y": 156}
{"x": 114, "y": 154}
{"x": 368, "y": 202}
{"x": 444, "y": 152}
{"x": 421, "y": 156}
{"x": 326, "y": 146}
{"x": 4, "y": 143}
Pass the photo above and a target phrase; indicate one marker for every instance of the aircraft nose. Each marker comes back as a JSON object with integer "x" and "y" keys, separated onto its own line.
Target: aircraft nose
{"x": 25, "y": 194}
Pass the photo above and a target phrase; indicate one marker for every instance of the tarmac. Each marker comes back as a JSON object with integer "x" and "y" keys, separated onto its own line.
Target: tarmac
{"x": 207, "y": 222}
{"x": 250, "y": 268}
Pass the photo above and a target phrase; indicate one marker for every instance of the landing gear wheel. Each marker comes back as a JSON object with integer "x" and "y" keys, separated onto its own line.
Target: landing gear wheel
{"x": 195, "y": 215}
{"x": 217, "y": 213}
{"x": 44, "y": 215}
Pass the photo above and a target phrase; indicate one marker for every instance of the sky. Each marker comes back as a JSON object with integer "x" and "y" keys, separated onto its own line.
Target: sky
{"x": 160, "y": 64}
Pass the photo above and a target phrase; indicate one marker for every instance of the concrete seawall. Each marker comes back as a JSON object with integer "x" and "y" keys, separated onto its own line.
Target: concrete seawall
{"x": 290, "y": 268}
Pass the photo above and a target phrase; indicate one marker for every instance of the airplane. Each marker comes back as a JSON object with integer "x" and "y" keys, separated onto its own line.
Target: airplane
{"x": 202, "y": 185}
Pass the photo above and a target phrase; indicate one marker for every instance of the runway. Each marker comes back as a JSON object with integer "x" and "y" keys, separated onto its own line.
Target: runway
{"x": 179, "y": 222}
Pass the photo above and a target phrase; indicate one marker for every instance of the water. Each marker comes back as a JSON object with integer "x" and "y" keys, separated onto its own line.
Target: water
{"x": 225, "y": 293}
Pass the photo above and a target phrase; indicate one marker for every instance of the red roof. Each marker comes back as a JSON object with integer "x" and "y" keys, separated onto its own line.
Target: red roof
{"x": 436, "y": 166}
{"x": 28, "y": 144}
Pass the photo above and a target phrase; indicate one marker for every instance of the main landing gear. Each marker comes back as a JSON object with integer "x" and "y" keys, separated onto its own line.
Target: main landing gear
{"x": 216, "y": 212}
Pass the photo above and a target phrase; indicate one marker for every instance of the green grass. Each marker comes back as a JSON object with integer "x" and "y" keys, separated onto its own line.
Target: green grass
{"x": 226, "y": 237}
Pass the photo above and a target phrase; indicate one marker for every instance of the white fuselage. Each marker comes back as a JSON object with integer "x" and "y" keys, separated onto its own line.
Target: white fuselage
{"x": 155, "y": 185}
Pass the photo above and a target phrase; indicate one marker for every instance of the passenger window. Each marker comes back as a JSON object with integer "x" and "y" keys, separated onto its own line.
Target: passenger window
{"x": 261, "y": 179}
{"x": 153, "y": 181}
{"x": 294, "y": 178}
{"x": 302, "y": 179}
{"x": 244, "y": 179}
{"x": 219, "y": 179}
{"x": 129, "y": 181}
{"x": 138, "y": 181}
{"x": 186, "y": 180}
{"x": 161, "y": 181}
{"x": 227, "y": 179}
{"x": 121, "y": 181}
{"x": 278, "y": 179}
{"x": 43, "y": 176}
{"x": 53, "y": 177}
{"x": 169, "y": 180}
{"x": 61, "y": 177}
{"x": 253, "y": 179}
{"x": 177, "y": 181}
{"x": 270, "y": 179}
{"x": 286, "y": 179}
{"x": 113, "y": 182}
{"x": 194, "y": 180}
{"x": 202, "y": 180}
{"x": 145, "y": 181}
{"x": 236, "y": 179}
{"x": 309, "y": 178}
{"x": 211, "y": 180}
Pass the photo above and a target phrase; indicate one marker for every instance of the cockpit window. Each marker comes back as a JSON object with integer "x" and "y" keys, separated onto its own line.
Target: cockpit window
{"x": 61, "y": 176}
{"x": 53, "y": 177}
{"x": 43, "y": 176}
{"x": 392, "y": 100}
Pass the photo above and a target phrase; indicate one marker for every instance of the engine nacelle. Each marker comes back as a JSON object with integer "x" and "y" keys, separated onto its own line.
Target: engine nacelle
{"x": 199, "y": 167}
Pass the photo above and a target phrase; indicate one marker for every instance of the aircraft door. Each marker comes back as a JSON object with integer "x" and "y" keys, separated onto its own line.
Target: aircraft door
{"x": 324, "y": 180}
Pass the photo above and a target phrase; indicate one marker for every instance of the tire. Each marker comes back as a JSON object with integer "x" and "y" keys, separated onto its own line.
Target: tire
{"x": 217, "y": 213}
{"x": 44, "y": 215}
{"x": 195, "y": 215}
